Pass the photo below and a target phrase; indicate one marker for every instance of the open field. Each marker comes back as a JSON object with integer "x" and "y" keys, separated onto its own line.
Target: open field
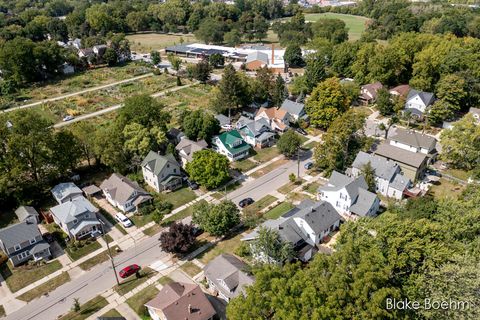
{"x": 146, "y": 42}
{"x": 20, "y": 277}
{"x": 355, "y": 24}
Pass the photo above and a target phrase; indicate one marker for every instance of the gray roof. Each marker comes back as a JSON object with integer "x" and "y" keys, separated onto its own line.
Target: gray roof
{"x": 338, "y": 181}
{"x": 222, "y": 119}
{"x": 363, "y": 203}
{"x": 292, "y": 107}
{"x": 414, "y": 159}
{"x": 265, "y": 136}
{"x": 68, "y": 211}
{"x": 23, "y": 212}
{"x": 18, "y": 233}
{"x": 257, "y": 127}
{"x": 83, "y": 224}
{"x": 190, "y": 147}
{"x": 320, "y": 216}
{"x": 91, "y": 190}
{"x": 184, "y": 48}
{"x": 400, "y": 182}
{"x": 257, "y": 55}
{"x": 413, "y": 138}
{"x": 64, "y": 190}
{"x": 121, "y": 188}
{"x": 231, "y": 270}
{"x": 384, "y": 168}
{"x": 426, "y": 97}
{"x": 156, "y": 162}
{"x": 39, "y": 247}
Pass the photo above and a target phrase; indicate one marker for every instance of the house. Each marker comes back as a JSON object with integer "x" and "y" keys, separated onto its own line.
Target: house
{"x": 26, "y": 213}
{"x": 413, "y": 141}
{"x": 257, "y": 133}
{"x": 77, "y": 218}
{"x": 413, "y": 164}
{"x": 475, "y": 112}
{"x": 256, "y": 60}
{"x": 304, "y": 227}
{"x": 22, "y": 242}
{"x": 178, "y": 301}
{"x": 232, "y": 145}
{"x": 186, "y": 148}
{"x": 86, "y": 53}
{"x": 161, "y": 172}
{"x": 389, "y": 179}
{"x": 418, "y": 101}
{"x": 369, "y": 92}
{"x": 226, "y": 275}
{"x": 75, "y": 43}
{"x": 222, "y": 120}
{"x": 278, "y": 119}
{"x": 175, "y": 135}
{"x": 349, "y": 196}
{"x": 296, "y": 110}
{"x": 66, "y": 191}
{"x": 400, "y": 91}
{"x": 99, "y": 49}
{"x": 123, "y": 193}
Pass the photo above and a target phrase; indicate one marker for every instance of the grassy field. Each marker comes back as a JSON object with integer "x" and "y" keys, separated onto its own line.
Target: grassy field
{"x": 137, "y": 301}
{"x": 446, "y": 189}
{"x": 355, "y": 24}
{"x": 99, "y": 258}
{"x": 20, "y": 277}
{"x": 190, "y": 268}
{"x": 228, "y": 245}
{"x": 48, "y": 286}
{"x": 279, "y": 210}
{"x": 132, "y": 282}
{"x": 87, "y": 309}
{"x": 146, "y": 42}
{"x": 76, "y": 254}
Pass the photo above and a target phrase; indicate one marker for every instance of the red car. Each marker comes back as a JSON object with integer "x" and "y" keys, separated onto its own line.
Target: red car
{"x": 128, "y": 271}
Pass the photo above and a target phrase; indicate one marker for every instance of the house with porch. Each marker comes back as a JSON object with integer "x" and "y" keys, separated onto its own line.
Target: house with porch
{"x": 77, "y": 218}
{"x": 161, "y": 173}
{"x": 22, "y": 242}
{"x": 123, "y": 193}
{"x": 232, "y": 145}
{"x": 257, "y": 133}
{"x": 349, "y": 196}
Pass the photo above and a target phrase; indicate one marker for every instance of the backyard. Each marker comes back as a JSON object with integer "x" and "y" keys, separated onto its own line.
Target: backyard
{"x": 20, "y": 277}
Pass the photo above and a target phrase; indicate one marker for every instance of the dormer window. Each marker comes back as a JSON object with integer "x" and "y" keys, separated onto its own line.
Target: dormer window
{"x": 75, "y": 221}
{"x": 17, "y": 247}
{"x": 32, "y": 241}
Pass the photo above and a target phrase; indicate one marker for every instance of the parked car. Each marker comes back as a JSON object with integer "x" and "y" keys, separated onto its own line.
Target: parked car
{"x": 246, "y": 202}
{"x": 226, "y": 126}
{"x": 301, "y": 131}
{"x": 123, "y": 219}
{"x": 308, "y": 165}
{"x": 68, "y": 118}
{"x": 197, "y": 231}
{"x": 128, "y": 271}
{"x": 192, "y": 185}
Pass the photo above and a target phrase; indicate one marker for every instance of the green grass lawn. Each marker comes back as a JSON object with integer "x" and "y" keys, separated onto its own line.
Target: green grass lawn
{"x": 287, "y": 188}
{"x": 112, "y": 313}
{"x": 99, "y": 258}
{"x": 132, "y": 282}
{"x": 2, "y": 311}
{"x": 244, "y": 165}
{"x": 272, "y": 166}
{"x": 48, "y": 286}
{"x": 146, "y": 42}
{"x": 228, "y": 245}
{"x": 190, "y": 268}
{"x": 312, "y": 188}
{"x": 137, "y": 301}
{"x": 76, "y": 254}
{"x": 141, "y": 220}
{"x": 87, "y": 309}
{"x": 446, "y": 189}
{"x": 266, "y": 154}
{"x": 165, "y": 280}
{"x": 279, "y": 210}
{"x": 355, "y": 24}
{"x": 260, "y": 204}
{"x": 22, "y": 276}
{"x": 458, "y": 173}
{"x": 180, "y": 215}
{"x": 179, "y": 197}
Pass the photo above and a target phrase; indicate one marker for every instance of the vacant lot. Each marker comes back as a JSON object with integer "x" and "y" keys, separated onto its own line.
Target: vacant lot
{"x": 355, "y": 24}
{"x": 147, "y": 42}
{"x": 20, "y": 277}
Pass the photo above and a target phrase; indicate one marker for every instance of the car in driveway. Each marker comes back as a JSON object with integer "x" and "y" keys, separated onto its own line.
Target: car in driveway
{"x": 192, "y": 184}
{"x": 301, "y": 131}
{"x": 123, "y": 220}
{"x": 128, "y": 271}
{"x": 308, "y": 165}
{"x": 226, "y": 127}
{"x": 245, "y": 202}
{"x": 68, "y": 118}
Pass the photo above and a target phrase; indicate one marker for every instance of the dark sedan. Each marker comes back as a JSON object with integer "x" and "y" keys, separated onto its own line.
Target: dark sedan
{"x": 245, "y": 202}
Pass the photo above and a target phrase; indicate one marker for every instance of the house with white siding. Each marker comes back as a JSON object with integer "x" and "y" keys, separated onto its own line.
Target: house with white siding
{"x": 123, "y": 193}
{"x": 161, "y": 172}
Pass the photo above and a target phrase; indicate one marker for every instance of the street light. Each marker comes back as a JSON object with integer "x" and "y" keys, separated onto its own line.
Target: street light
{"x": 109, "y": 253}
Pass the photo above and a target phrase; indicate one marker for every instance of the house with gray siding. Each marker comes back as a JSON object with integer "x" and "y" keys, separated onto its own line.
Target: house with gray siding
{"x": 161, "y": 173}
{"x": 26, "y": 213}
{"x": 123, "y": 193}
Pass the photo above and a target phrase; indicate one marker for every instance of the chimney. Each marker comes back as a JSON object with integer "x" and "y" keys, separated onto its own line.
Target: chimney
{"x": 190, "y": 309}
{"x": 273, "y": 53}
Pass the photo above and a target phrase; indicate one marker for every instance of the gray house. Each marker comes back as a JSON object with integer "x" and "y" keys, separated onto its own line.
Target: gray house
{"x": 226, "y": 276}
{"x": 26, "y": 213}
{"x": 161, "y": 172}
{"x": 66, "y": 191}
{"x": 22, "y": 242}
{"x": 77, "y": 218}
{"x": 295, "y": 109}
{"x": 123, "y": 193}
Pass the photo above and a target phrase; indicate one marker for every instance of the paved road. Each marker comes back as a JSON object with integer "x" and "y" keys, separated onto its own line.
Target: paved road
{"x": 258, "y": 188}
{"x": 88, "y": 285}
{"x": 115, "y": 107}
{"x": 78, "y": 93}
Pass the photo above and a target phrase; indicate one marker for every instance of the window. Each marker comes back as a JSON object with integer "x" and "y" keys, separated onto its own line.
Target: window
{"x": 17, "y": 247}
{"x": 75, "y": 221}
{"x": 32, "y": 241}
{"x": 174, "y": 170}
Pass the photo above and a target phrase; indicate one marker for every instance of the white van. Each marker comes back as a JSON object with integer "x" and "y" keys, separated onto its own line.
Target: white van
{"x": 123, "y": 219}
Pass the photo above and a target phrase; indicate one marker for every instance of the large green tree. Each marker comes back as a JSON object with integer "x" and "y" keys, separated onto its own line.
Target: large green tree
{"x": 289, "y": 143}
{"x": 216, "y": 219}
{"x": 200, "y": 125}
{"x": 270, "y": 248}
{"x": 293, "y": 56}
{"x": 208, "y": 168}
{"x": 334, "y": 30}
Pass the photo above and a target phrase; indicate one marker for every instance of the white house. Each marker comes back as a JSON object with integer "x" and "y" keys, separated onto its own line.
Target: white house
{"x": 278, "y": 119}
{"x": 413, "y": 141}
{"x": 349, "y": 196}
{"x": 417, "y": 102}
{"x": 257, "y": 133}
{"x": 161, "y": 172}
{"x": 66, "y": 191}
{"x": 123, "y": 193}
{"x": 232, "y": 145}
{"x": 389, "y": 179}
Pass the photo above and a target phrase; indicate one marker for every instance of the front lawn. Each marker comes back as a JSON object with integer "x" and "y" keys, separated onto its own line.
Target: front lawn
{"x": 140, "y": 220}
{"x": 260, "y": 204}
{"x": 279, "y": 210}
{"x": 180, "y": 215}
{"x": 225, "y": 246}
{"x": 137, "y": 301}
{"x": 312, "y": 188}
{"x": 178, "y": 198}
{"x": 77, "y": 250}
{"x": 132, "y": 282}
{"x": 190, "y": 268}
{"x": 87, "y": 309}
{"x": 156, "y": 228}
{"x": 310, "y": 145}
{"x": 287, "y": 188}
{"x": 165, "y": 280}
{"x": 272, "y": 166}
{"x": 46, "y": 287}
{"x": 20, "y": 277}
{"x": 99, "y": 258}
{"x": 244, "y": 165}
{"x": 266, "y": 154}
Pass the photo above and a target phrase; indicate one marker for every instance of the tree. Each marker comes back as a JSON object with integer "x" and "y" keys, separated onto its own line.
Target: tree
{"x": 66, "y": 152}
{"x": 293, "y": 56}
{"x": 76, "y": 305}
{"x": 289, "y": 143}
{"x": 83, "y": 132}
{"x": 216, "y": 60}
{"x": 263, "y": 85}
{"x": 216, "y": 219}
{"x": 110, "y": 57}
{"x": 139, "y": 140}
{"x": 144, "y": 110}
{"x": 384, "y": 102}
{"x": 210, "y": 31}
{"x": 268, "y": 247}
{"x": 108, "y": 146}
{"x": 208, "y": 168}
{"x": 368, "y": 173}
{"x": 461, "y": 144}
{"x": 279, "y": 91}
{"x": 314, "y": 70}
{"x": 334, "y": 30}
{"x": 138, "y": 21}
{"x": 232, "y": 91}
{"x": 232, "y": 38}
{"x": 155, "y": 56}
{"x": 178, "y": 239}
{"x": 176, "y": 62}
{"x": 200, "y": 125}
{"x": 328, "y": 101}
{"x": 441, "y": 111}
{"x": 202, "y": 70}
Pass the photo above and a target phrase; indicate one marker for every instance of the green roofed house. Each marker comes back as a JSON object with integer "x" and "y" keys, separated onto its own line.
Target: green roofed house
{"x": 161, "y": 172}
{"x": 232, "y": 145}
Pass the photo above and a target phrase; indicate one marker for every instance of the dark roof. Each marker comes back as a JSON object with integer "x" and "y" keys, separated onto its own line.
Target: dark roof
{"x": 183, "y": 48}
{"x": 426, "y": 97}
{"x": 18, "y": 233}
{"x": 413, "y": 138}
{"x": 155, "y": 162}
{"x": 320, "y": 216}
{"x": 414, "y": 159}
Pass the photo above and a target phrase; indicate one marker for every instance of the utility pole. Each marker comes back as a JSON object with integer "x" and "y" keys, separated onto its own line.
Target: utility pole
{"x": 109, "y": 253}
{"x": 298, "y": 163}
